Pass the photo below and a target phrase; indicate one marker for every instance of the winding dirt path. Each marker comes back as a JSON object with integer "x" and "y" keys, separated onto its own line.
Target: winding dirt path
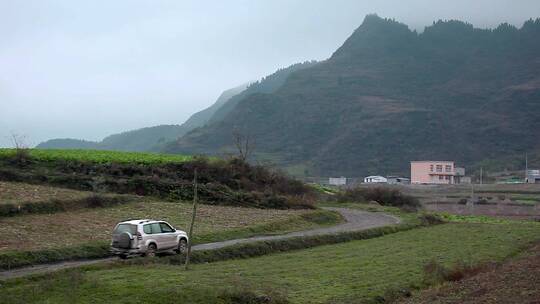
{"x": 356, "y": 220}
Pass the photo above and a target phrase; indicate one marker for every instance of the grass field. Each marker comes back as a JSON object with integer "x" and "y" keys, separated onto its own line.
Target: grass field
{"x": 98, "y": 156}
{"x": 95, "y": 225}
{"x": 11, "y": 193}
{"x": 354, "y": 272}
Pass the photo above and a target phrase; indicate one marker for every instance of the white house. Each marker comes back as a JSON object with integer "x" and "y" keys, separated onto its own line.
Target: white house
{"x": 337, "y": 181}
{"x": 375, "y": 179}
{"x": 533, "y": 177}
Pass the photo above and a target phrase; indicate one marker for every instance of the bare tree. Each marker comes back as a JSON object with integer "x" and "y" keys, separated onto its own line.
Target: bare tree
{"x": 245, "y": 144}
{"x": 22, "y": 154}
{"x": 18, "y": 141}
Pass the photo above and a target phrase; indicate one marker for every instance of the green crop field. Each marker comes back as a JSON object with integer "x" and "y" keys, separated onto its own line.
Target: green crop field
{"x": 353, "y": 272}
{"x": 99, "y": 156}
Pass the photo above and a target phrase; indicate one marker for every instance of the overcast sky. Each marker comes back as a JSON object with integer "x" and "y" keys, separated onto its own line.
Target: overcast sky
{"x": 87, "y": 69}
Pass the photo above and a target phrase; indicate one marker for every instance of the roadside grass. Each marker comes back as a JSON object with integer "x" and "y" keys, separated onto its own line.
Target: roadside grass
{"x": 68, "y": 233}
{"x": 99, "y": 156}
{"x": 456, "y": 218}
{"x": 353, "y": 272}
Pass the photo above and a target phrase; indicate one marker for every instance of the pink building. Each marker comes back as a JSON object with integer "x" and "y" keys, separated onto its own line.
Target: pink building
{"x": 432, "y": 172}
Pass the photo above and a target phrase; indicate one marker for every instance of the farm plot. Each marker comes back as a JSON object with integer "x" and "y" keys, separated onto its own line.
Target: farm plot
{"x": 14, "y": 193}
{"x": 355, "y": 272}
{"x": 99, "y": 156}
{"x": 93, "y": 226}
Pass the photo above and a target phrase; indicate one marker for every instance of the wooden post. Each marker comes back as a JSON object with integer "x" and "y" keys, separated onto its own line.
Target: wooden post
{"x": 190, "y": 233}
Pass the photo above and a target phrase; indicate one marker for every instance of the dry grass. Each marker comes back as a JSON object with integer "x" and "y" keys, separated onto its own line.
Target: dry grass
{"x": 11, "y": 192}
{"x": 45, "y": 231}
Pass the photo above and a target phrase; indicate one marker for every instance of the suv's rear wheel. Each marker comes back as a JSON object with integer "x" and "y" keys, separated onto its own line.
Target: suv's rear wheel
{"x": 151, "y": 250}
{"x": 182, "y": 246}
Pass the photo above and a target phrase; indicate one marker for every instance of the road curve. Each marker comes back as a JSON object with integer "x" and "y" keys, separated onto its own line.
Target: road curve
{"x": 355, "y": 220}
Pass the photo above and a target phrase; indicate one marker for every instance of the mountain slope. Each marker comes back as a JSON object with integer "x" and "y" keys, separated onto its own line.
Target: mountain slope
{"x": 200, "y": 118}
{"x": 146, "y": 139}
{"x": 390, "y": 95}
{"x": 268, "y": 84}
{"x": 67, "y": 143}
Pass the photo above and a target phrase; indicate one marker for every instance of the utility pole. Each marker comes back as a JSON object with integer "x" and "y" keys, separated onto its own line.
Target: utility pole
{"x": 481, "y": 173}
{"x": 190, "y": 233}
{"x": 526, "y": 167}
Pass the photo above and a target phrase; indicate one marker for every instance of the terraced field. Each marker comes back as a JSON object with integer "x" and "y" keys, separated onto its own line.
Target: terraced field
{"x": 12, "y": 193}
{"x": 367, "y": 271}
{"x": 91, "y": 226}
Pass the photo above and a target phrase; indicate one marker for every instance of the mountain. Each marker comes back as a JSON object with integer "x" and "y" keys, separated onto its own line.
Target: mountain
{"x": 389, "y": 95}
{"x": 268, "y": 84}
{"x": 200, "y": 118}
{"x": 67, "y": 143}
{"x": 146, "y": 139}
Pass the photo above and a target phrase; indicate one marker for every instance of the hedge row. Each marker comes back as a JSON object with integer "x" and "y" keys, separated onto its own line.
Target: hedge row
{"x": 58, "y": 205}
{"x": 17, "y": 259}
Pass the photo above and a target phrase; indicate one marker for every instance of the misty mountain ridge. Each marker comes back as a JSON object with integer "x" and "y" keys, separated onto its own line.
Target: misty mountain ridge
{"x": 150, "y": 139}
{"x": 155, "y": 139}
{"x": 389, "y": 95}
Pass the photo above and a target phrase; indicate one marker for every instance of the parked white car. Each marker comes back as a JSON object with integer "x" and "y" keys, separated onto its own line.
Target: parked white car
{"x": 146, "y": 237}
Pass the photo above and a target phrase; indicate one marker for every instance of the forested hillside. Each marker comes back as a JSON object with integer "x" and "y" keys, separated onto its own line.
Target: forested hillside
{"x": 390, "y": 95}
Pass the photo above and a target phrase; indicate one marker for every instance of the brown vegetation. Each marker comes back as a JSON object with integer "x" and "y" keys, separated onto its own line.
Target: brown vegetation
{"x": 221, "y": 182}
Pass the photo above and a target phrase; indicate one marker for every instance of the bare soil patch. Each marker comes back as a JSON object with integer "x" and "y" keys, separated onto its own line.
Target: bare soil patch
{"x": 11, "y": 192}
{"x": 515, "y": 281}
{"x": 45, "y": 231}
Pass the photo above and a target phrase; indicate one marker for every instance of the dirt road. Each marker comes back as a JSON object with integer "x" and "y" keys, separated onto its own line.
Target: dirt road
{"x": 355, "y": 220}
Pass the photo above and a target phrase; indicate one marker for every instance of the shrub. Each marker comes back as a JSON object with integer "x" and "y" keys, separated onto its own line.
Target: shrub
{"x": 233, "y": 182}
{"x": 436, "y": 273}
{"x": 382, "y": 195}
{"x": 242, "y": 293}
{"x": 482, "y": 201}
{"x": 429, "y": 219}
{"x": 56, "y": 205}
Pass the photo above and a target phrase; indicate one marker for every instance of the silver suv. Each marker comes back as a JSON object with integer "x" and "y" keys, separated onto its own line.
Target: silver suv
{"x": 146, "y": 237}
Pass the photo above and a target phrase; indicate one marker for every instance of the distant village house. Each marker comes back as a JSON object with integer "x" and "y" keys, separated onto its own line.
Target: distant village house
{"x": 375, "y": 179}
{"x": 437, "y": 172}
{"x": 533, "y": 177}
{"x": 337, "y": 181}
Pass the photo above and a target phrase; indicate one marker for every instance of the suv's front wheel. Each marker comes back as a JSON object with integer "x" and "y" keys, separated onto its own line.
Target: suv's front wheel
{"x": 182, "y": 246}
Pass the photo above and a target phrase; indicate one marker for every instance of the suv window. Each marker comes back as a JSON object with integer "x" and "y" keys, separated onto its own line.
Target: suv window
{"x": 147, "y": 229}
{"x": 125, "y": 228}
{"x": 152, "y": 228}
{"x": 165, "y": 228}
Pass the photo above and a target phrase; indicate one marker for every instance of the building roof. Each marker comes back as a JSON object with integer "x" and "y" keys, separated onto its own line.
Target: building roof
{"x": 432, "y": 161}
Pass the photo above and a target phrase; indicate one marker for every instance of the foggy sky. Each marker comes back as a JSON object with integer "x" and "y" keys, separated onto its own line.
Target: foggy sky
{"x": 87, "y": 69}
